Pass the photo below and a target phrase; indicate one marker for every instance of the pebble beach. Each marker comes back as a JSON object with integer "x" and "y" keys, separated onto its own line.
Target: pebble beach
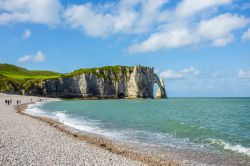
{"x": 27, "y": 141}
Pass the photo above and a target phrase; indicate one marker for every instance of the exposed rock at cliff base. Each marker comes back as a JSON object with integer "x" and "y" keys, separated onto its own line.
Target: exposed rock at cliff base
{"x": 106, "y": 82}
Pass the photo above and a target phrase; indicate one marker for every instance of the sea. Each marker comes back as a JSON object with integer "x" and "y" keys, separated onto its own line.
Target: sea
{"x": 210, "y": 125}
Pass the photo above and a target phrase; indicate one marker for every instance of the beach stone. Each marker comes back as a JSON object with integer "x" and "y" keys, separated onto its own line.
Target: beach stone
{"x": 27, "y": 141}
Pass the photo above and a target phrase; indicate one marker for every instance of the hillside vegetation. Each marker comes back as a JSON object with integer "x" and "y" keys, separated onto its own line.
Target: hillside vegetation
{"x": 103, "y": 72}
{"x": 17, "y": 79}
{"x": 22, "y": 73}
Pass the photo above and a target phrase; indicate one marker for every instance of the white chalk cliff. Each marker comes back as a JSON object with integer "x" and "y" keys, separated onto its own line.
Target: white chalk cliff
{"x": 118, "y": 82}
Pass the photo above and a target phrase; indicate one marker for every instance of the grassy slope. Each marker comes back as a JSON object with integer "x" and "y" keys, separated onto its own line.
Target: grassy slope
{"x": 16, "y": 79}
{"x": 16, "y": 72}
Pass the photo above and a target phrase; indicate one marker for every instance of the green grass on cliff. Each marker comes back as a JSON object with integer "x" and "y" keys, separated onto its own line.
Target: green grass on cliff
{"x": 103, "y": 72}
{"x": 17, "y": 79}
{"x": 16, "y": 72}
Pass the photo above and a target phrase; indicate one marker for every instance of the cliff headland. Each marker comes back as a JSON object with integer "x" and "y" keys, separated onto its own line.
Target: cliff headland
{"x": 89, "y": 83}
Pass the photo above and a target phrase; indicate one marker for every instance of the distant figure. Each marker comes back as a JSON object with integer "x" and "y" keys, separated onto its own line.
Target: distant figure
{"x": 10, "y": 101}
{"x": 31, "y": 99}
{"x": 17, "y": 102}
{"x": 6, "y": 102}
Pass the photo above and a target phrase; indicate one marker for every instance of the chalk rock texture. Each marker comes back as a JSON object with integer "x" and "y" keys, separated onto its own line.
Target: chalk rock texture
{"x": 127, "y": 82}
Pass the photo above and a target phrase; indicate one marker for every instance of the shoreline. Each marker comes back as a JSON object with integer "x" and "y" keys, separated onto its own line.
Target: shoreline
{"x": 28, "y": 141}
{"x": 99, "y": 141}
{"x": 44, "y": 127}
{"x": 142, "y": 153}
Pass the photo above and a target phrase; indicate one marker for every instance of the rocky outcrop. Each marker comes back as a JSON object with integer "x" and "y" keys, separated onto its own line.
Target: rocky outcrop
{"x": 123, "y": 82}
{"x": 161, "y": 92}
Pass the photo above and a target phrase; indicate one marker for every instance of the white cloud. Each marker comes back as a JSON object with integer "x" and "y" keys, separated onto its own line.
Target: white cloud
{"x": 151, "y": 10}
{"x": 218, "y": 30}
{"x": 122, "y": 17}
{"x": 172, "y": 38}
{"x": 26, "y": 34}
{"x": 222, "y": 42}
{"x": 38, "y": 57}
{"x": 170, "y": 74}
{"x": 191, "y": 70}
{"x": 244, "y": 74}
{"x": 162, "y": 26}
{"x": 24, "y": 58}
{"x": 185, "y": 73}
{"x": 44, "y": 12}
{"x": 190, "y": 7}
{"x": 84, "y": 17}
{"x": 246, "y": 35}
{"x": 137, "y": 16}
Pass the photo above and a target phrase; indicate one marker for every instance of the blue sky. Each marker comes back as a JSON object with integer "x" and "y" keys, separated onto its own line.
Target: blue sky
{"x": 200, "y": 48}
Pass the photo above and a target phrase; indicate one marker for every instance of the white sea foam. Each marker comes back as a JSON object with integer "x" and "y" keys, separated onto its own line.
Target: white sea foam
{"x": 130, "y": 135}
{"x": 93, "y": 126}
{"x": 228, "y": 146}
{"x": 33, "y": 109}
{"x": 237, "y": 148}
{"x": 84, "y": 125}
{"x": 60, "y": 114}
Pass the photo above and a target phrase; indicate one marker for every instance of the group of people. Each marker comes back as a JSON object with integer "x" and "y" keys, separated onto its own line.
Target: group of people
{"x": 41, "y": 100}
{"x": 9, "y": 101}
{"x": 18, "y": 102}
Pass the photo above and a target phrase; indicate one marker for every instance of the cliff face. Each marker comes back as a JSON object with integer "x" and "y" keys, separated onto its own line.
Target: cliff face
{"x": 130, "y": 82}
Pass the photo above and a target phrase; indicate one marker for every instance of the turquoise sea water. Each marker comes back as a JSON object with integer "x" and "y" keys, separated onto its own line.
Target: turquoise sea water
{"x": 217, "y": 125}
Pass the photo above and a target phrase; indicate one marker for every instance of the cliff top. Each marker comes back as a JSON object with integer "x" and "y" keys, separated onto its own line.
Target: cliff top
{"x": 17, "y": 72}
{"x": 14, "y": 78}
{"x": 104, "y": 72}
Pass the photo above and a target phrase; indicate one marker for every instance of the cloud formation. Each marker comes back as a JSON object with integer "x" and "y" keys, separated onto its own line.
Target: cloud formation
{"x": 154, "y": 24}
{"x": 189, "y": 72}
{"x": 18, "y": 11}
{"x": 244, "y": 74}
{"x": 187, "y": 8}
{"x": 170, "y": 38}
{"x": 246, "y": 35}
{"x": 26, "y": 34}
{"x": 106, "y": 19}
{"x": 218, "y": 31}
{"x": 38, "y": 57}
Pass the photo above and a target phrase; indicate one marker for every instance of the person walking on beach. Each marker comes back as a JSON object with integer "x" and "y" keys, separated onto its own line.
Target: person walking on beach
{"x": 6, "y": 102}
